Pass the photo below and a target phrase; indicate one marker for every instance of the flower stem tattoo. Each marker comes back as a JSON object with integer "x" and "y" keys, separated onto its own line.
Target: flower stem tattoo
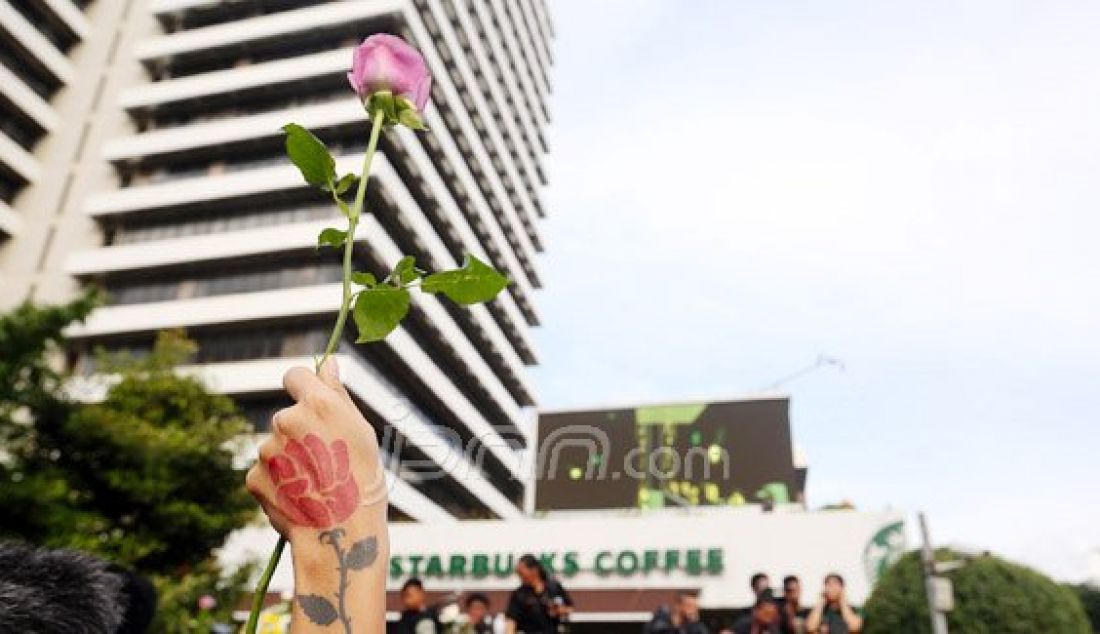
{"x": 320, "y": 609}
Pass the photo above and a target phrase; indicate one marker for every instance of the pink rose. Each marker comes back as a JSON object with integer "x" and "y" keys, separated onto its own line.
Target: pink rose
{"x": 386, "y": 62}
{"x": 314, "y": 486}
{"x": 207, "y": 602}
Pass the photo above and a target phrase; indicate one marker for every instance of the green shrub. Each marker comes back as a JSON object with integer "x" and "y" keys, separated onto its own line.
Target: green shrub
{"x": 1090, "y": 598}
{"x": 992, "y": 596}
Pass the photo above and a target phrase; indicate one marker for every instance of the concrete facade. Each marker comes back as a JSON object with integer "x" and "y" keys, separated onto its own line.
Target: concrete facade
{"x": 159, "y": 176}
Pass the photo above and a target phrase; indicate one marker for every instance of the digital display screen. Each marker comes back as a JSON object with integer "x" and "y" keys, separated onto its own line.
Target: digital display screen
{"x": 684, "y": 455}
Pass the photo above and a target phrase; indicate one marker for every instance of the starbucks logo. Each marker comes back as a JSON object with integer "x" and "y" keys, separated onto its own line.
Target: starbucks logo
{"x": 884, "y": 549}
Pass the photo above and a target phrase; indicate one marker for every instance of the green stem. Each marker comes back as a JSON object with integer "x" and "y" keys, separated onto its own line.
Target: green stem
{"x": 377, "y": 120}
{"x": 353, "y": 221}
{"x": 261, "y": 588}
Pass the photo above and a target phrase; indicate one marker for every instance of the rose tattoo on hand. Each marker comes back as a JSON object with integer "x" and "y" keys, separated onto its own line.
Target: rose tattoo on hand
{"x": 320, "y": 464}
{"x": 314, "y": 486}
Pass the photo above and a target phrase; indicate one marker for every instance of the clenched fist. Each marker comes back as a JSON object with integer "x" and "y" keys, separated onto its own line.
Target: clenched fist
{"x": 321, "y": 463}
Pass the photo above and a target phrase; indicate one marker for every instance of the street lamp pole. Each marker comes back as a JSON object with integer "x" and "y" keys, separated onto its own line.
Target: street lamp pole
{"x": 928, "y": 559}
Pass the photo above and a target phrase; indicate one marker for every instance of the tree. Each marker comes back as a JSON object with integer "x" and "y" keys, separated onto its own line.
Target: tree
{"x": 1090, "y": 599}
{"x": 992, "y": 596}
{"x": 145, "y": 477}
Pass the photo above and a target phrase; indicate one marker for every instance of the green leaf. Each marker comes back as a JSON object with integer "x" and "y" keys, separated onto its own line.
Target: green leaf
{"x": 310, "y": 155}
{"x": 383, "y": 100}
{"x": 410, "y": 118}
{"x": 363, "y": 278}
{"x": 319, "y": 609}
{"x": 474, "y": 283}
{"x": 362, "y": 553}
{"x": 331, "y": 236}
{"x": 405, "y": 270}
{"x": 378, "y": 310}
{"x": 345, "y": 183}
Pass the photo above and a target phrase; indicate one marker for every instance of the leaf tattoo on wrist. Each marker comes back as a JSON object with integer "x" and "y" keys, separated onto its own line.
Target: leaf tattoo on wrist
{"x": 319, "y": 609}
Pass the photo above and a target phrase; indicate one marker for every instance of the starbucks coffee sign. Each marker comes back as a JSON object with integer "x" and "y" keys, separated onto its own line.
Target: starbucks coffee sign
{"x": 620, "y": 563}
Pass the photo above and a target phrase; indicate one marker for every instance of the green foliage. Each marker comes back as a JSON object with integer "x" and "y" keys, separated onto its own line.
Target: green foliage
{"x": 332, "y": 237}
{"x": 178, "y": 611}
{"x": 404, "y": 271}
{"x": 474, "y": 283}
{"x": 345, "y": 183}
{"x": 137, "y": 454}
{"x": 992, "y": 596}
{"x": 144, "y": 478}
{"x": 1089, "y": 596}
{"x": 363, "y": 278}
{"x": 378, "y": 310}
{"x": 311, "y": 156}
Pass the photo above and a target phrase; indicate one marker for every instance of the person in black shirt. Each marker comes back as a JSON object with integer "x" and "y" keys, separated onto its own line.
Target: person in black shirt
{"x": 682, "y": 619}
{"x": 760, "y": 582}
{"x": 540, "y": 605}
{"x": 763, "y": 619}
{"x": 833, "y": 611}
{"x": 477, "y": 615}
{"x": 792, "y": 616}
{"x": 416, "y": 618}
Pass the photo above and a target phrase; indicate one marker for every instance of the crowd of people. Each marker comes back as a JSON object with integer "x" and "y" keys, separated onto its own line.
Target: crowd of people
{"x": 786, "y": 614}
{"x": 541, "y": 605}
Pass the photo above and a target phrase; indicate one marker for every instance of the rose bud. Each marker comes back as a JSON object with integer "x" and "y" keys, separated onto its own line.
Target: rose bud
{"x": 391, "y": 77}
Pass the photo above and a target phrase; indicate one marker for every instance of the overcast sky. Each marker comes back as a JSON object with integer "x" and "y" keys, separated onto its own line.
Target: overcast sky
{"x": 912, "y": 187}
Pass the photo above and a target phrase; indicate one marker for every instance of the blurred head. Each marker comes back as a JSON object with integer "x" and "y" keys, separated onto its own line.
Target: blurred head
{"x": 760, "y": 583}
{"x": 792, "y": 588}
{"x": 764, "y": 611}
{"x": 477, "y": 607}
{"x": 687, "y": 604}
{"x": 530, "y": 570}
{"x": 413, "y": 596}
{"x": 834, "y": 587}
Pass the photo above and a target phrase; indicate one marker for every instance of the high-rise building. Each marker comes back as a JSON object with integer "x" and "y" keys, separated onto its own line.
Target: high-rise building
{"x": 38, "y": 102}
{"x": 183, "y": 207}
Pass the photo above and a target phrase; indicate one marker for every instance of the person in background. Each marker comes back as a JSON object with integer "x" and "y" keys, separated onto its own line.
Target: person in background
{"x": 540, "y": 605}
{"x": 833, "y": 611}
{"x": 683, "y": 618}
{"x": 416, "y": 618}
{"x": 478, "y": 620}
{"x": 792, "y": 617}
{"x": 760, "y": 582}
{"x": 763, "y": 619}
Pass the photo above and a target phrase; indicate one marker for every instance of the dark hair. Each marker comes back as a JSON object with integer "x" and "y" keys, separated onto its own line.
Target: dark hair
{"x": 757, "y": 577}
{"x": 413, "y": 582}
{"x": 43, "y": 590}
{"x": 141, "y": 601}
{"x": 765, "y": 598}
{"x": 788, "y": 579}
{"x": 685, "y": 594}
{"x": 833, "y": 575}
{"x": 477, "y": 597}
{"x": 531, "y": 561}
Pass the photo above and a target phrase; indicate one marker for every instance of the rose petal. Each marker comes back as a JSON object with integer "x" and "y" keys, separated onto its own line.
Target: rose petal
{"x": 343, "y": 500}
{"x": 317, "y": 513}
{"x": 280, "y": 468}
{"x": 322, "y": 459}
{"x": 289, "y": 507}
{"x": 301, "y": 455}
{"x": 340, "y": 460}
{"x": 295, "y": 488}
